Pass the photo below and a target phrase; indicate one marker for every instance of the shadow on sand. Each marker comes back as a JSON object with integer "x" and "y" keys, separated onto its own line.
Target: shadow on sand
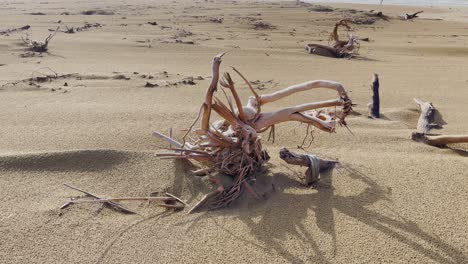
{"x": 273, "y": 223}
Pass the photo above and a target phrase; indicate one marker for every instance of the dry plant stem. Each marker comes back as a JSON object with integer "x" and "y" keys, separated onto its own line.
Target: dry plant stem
{"x": 111, "y": 204}
{"x": 105, "y": 200}
{"x": 168, "y": 139}
{"x": 177, "y": 198}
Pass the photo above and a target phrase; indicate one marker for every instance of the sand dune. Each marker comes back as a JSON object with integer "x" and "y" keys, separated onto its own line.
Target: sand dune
{"x": 391, "y": 200}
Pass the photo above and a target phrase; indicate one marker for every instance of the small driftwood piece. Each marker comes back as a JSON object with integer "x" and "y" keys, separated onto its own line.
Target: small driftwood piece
{"x": 374, "y": 107}
{"x": 411, "y": 16}
{"x": 439, "y": 140}
{"x": 315, "y": 165}
{"x": 232, "y": 146}
{"x": 426, "y": 123}
{"x": 39, "y": 46}
{"x": 426, "y": 119}
{"x": 109, "y": 203}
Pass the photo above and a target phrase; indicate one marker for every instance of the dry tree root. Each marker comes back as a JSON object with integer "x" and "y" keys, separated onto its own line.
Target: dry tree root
{"x": 315, "y": 165}
{"x": 232, "y": 146}
{"x": 39, "y": 46}
{"x": 340, "y": 48}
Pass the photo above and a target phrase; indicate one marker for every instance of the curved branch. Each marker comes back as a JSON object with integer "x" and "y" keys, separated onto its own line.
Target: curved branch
{"x": 229, "y": 84}
{"x": 294, "y": 114}
{"x": 205, "y": 122}
{"x": 268, "y": 98}
{"x": 257, "y": 97}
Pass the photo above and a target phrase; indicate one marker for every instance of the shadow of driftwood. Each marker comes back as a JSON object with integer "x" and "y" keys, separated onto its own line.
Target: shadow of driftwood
{"x": 79, "y": 160}
{"x": 273, "y": 227}
{"x": 461, "y": 152}
{"x": 185, "y": 182}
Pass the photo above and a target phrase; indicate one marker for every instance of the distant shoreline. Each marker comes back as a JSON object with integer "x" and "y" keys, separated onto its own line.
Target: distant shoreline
{"x": 422, "y": 3}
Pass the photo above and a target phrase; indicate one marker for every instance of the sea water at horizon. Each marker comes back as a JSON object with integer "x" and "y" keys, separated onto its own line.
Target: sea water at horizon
{"x": 424, "y": 3}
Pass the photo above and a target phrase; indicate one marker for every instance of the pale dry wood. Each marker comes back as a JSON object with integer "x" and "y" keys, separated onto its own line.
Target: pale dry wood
{"x": 232, "y": 146}
{"x": 439, "y": 140}
{"x": 110, "y": 203}
{"x": 315, "y": 165}
{"x": 106, "y": 200}
{"x": 426, "y": 119}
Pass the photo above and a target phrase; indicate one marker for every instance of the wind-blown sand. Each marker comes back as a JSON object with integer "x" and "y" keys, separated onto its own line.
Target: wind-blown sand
{"x": 393, "y": 199}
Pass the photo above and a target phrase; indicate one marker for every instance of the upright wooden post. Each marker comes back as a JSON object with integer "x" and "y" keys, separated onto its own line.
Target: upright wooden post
{"x": 374, "y": 108}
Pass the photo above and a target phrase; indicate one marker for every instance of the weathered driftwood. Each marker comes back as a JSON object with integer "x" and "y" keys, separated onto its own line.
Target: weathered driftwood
{"x": 232, "y": 146}
{"x": 426, "y": 119}
{"x": 426, "y": 122}
{"x": 347, "y": 51}
{"x": 374, "y": 107}
{"x": 411, "y": 16}
{"x": 439, "y": 140}
{"x": 339, "y": 48}
{"x": 39, "y": 46}
{"x": 334, "y": 36}
{"x": 315, "y": 165}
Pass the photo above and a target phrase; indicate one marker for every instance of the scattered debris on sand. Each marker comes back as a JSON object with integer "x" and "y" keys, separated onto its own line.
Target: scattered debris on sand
{"x": 97, "y": 12}
{"x": 321, "y": 8}
{"x": 190, "y": 42}
{"x": 218, "y": 20}
{"x": 262, "y": 25}
{"x": 151, "y": 85}
{"x": 37, "y": 45}
{"x": 8, "y": 31}
{"x": 169, "y": 201}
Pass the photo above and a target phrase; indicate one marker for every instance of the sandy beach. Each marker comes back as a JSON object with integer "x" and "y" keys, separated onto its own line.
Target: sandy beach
{"x": 392, "y": 200}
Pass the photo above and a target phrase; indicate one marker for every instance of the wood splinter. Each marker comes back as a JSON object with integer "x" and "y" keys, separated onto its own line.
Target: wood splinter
{"x": 315, "y": 165}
